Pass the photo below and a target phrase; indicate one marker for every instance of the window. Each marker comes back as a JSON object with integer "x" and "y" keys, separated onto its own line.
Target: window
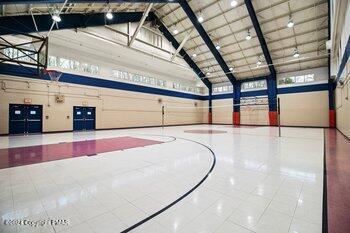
{"x": 299, "y": 79}
{"x": 223, "y": 89}
{"x": 116, "y": 74}
{"x": 192, "y": 89}
{"x": 16, "y": 54}
{"x": 176, "y": 86}
{"x": 52, "y": 61}
{"x": 86, "y": 68}
{"x": 136, "y": 78}
{"x": 75, "y": 65}
{"x": 64, "y": 63}
{"x": 261, "y": 84}
{"x": 308, "y": 78}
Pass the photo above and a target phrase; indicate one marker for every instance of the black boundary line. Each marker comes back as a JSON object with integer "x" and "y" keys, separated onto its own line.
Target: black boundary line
{"x": 325, "y": 202}
{"x": 181, "y": 197}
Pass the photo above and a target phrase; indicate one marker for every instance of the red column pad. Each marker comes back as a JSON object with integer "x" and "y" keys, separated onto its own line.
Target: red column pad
{"x": 236, "y": 118}
{"x": 273, "y": 118}
{"x": 332, "y": 118}
{"x": 210, "y": 118}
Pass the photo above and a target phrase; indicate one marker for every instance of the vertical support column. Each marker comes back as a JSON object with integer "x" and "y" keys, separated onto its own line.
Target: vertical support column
{"x": 210, "y": 110}
{"x": 331, "y": 100}
{"x": 236, "y": 118}
{"x": 272, "y": 97}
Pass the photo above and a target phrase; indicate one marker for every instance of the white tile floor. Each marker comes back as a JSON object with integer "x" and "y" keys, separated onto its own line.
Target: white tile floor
{"x": 261, "y": 183}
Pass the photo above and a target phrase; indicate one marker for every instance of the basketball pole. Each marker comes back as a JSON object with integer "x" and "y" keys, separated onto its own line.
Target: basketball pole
{"x": 163, "y": 117}
{"x": 279, "y": 116}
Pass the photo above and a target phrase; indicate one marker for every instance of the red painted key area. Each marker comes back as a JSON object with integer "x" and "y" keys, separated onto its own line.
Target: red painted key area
{"x": 12, "y": 157}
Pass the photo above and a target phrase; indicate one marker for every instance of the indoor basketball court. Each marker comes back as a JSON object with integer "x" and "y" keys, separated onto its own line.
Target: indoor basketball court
{"x": 189, "y": 116}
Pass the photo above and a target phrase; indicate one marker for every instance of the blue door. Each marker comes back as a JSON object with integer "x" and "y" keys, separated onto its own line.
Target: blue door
{"x": 25, "y": 119}
{"x": 34, "y": 118}
{"x": 78, "y": 118}
{"x": 89, "y": 118}
{"x": 83, "y": 118}
{"x": 17, "y": 117}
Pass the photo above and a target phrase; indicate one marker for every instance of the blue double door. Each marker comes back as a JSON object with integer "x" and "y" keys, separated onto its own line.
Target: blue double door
{"x": 25, "y": 118}
{"x": 84, "y": 118}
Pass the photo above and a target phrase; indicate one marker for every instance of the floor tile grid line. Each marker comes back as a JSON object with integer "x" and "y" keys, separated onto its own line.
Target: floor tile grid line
{"x": 86, "y": 220}
{"x": 227, "y": 219}
{"x": 123, "y": 198}
{"x": 276, "y": 136}
{"x": 184, "y": 195}
{"x": 64, "y": 191}
{"x": 31, "y": 180}
{"x": 271, "y": 136}
{"x": 296, "y": 206}
{"x": 264, "y": 208}
{"x": 45, "y": 208}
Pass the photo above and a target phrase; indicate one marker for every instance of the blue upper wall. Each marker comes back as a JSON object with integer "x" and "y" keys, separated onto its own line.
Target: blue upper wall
{"x": 26, "y": 72}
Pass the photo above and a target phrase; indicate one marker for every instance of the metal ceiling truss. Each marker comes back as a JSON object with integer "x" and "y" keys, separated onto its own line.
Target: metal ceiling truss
{"x": 261, "y": 23}
{"x": 261, "y": 37}
{"x": 191, "y": 15}
{"x": 272, "y": 51}
{"x": 3, "y": 2}
{"x": 25, "y": 24}
{"x": 183, "y": 53}
{"x": 292, "y": 61}
{"x": 258, "y": 46}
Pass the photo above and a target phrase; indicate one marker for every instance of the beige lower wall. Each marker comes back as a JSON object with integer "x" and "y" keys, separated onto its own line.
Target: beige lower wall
{"x": 255, "y": 115}
{"x": 114, "y": 108}
{"x": 343, "y": 108}
{"x": 222, "y": 111}
{"x": 297, "y": 109}
{"x": 305, "y": 109}
{"x": 117, "y": 109}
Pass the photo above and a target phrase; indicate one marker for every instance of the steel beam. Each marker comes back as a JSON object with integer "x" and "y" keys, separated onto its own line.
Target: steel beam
{"x": 184, "y": 54}
{"x": 183, "y": 42}
{"x": 139, "y": 26}
{"x": 191, "y": 15}
{"x": 24, "y": 24}
{"x": 260, "y": 35}
{"x": 6, "y": 2}
{"x": 308, "y": 7}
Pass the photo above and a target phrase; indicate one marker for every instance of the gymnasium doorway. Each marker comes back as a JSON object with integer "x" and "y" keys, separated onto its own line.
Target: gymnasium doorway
{"x": 25, "y": 118}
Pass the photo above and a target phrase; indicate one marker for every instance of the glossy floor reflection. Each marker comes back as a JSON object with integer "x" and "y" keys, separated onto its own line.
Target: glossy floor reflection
{"x": 261, "y": 183}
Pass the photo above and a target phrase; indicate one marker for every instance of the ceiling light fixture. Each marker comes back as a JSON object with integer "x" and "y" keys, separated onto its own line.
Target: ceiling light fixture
{"x": 296, "y": 53}
{"x": 249, "y": 36}
{"x": 234, "y": 3}
{"x": 259, "y": 62}
{"x": 109, "y": 14}
{"x": 175, "y": 31}
{"x": 194, "y": 55}
{"x": 208, "y": 73}
{"x": 231, "y": 69}
{"x": 290, "y": 23}
{"x": 56, "y": 16}
{"x": 217, "y": 46}
{"x": 200, "y": 18}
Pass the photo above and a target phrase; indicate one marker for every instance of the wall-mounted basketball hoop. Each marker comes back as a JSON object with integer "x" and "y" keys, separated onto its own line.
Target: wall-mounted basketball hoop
{"x": 54, "y": 75}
